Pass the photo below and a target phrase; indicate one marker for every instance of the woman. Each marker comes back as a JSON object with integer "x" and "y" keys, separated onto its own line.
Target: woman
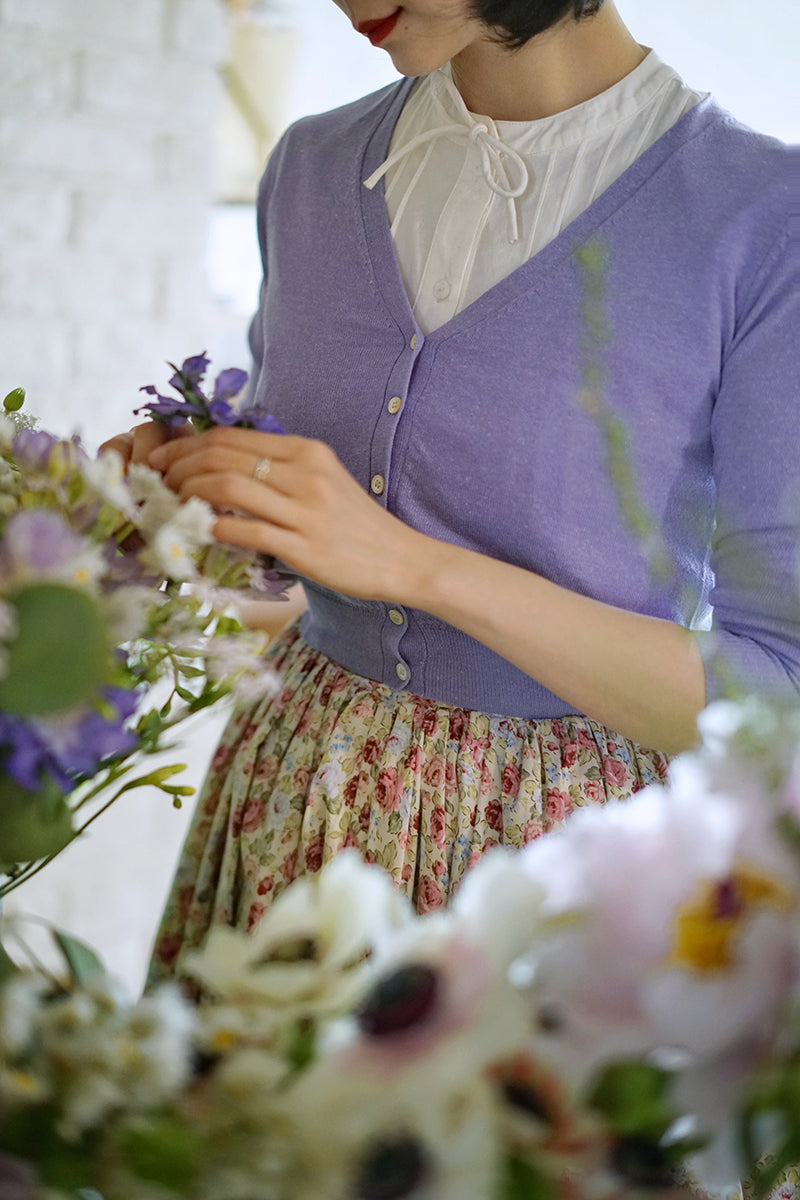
{"x": 473, "y": 280}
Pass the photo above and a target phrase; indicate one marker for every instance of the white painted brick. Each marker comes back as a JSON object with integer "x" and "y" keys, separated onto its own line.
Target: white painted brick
{"x": 198, "y": 29}
{"x": 108, "y": 22}
{"x": 37, "y": 74}
{"x": 78, "y": 146}
{"x": 178, "y": 94}
{"x": 183, "y": 160}
{"x": 165, "y": 221}
{"x": 77, "y": 285}
{"x": 32, "y": 353}
{"x": 32, "y": 215}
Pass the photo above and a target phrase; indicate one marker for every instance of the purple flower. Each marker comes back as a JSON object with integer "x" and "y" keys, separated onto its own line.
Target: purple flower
{"x": 94, "y": 739}
{"x": 67, "y": 748}
{"x": 194, "y": 368}
{"x": 221, "y": 413}
{"x": 263, "y": 577}
{"x": 256, "y": 418}
{"x": 229, "y": 383}
{"x": 32, "y": 448}
{"x": 37, "y": 542}
{"x": 25, "y": 755}
{"x": 171, "y": 410}
{"x": 17, "y": 1179}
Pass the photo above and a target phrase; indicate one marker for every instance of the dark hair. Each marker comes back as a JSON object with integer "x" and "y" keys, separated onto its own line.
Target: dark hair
{"x": 517, "y": 21}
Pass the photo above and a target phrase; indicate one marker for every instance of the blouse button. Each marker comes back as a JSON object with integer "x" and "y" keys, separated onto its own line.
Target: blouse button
{"x": 402, "y": 672}
{"x": 441, "y": 290}
{"x": 395, "y": 404}
{"x": 378, "y": 484}
{"x": 413, "y": 342}
{"x": 396, "y": 616}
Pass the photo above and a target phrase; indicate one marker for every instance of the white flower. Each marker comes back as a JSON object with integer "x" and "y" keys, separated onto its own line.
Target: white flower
{"x": 8, "y": 431}
{"x": 128, "y": 609}
{"x": 685, "y": 941}
{"x": 442, "y": 1135}
{"x": 157, "y": 503}
{"x": 309, "y": 951}
{"x": 106, "y": 476}
{"x": 20, "y": 999}
{"x": 158, "y": 1036}
{"x": 172, "y": 545}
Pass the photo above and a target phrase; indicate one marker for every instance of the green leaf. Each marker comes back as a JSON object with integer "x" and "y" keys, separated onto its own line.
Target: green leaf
{"x": 61, "y": 653}
{"x": 163, "y": 1151}
{"x": 30, "y": 1133}
{"x": 632, "y": 1096}
{"x": 33, "y": 825}
{"x": 14, "y": 400}
{"x": 302, "y": 1047}
{"x": 83, "y": 963}
{"x": 522, "y": 1181}
{"x": 8, "y": 968}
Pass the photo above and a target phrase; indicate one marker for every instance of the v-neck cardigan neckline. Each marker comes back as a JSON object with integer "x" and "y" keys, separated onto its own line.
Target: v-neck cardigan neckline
{"x": 380, "y": 252}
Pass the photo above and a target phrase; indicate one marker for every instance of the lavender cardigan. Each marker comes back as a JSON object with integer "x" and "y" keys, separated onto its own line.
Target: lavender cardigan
{"x": 475, "y": 434}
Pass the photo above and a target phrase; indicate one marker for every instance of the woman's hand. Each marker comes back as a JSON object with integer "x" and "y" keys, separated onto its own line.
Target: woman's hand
{"x": 305, "y": 508}
{"x": 138, "y": 443}
{"x": 639, "y": 675}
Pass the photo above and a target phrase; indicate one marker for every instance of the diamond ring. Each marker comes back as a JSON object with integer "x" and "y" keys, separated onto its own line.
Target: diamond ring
{"x": 262, "y": 469}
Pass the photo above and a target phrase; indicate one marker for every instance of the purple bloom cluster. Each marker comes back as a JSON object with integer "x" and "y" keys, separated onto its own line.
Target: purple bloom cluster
{"x": 205, "y": 412}
{"x": 67, "y": 750}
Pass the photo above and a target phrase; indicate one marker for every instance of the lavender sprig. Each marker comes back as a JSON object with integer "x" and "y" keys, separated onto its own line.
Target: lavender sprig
{"x": 204, "y": 412}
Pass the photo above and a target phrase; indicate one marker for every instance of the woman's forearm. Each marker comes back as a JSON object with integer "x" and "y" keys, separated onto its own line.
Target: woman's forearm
{"x": 638, "y": 675}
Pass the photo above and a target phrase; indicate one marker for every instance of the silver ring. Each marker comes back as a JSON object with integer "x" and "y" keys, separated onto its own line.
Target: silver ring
{"x": 262, "y": 469}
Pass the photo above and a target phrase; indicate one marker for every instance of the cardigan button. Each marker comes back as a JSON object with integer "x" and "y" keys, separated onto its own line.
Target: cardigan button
{"x": 413, "y": 342}
{"x": 396, "y": 616}
{"x": 395, "y": 404}
{"x": 378, "y": 484}
{"x": 402, "y": 672}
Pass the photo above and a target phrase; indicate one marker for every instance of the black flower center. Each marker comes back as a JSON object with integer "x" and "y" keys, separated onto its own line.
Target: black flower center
{"x": 525, "y": 1098}
{"x": 643, "y": 1163}
{"x": 391, "y": 1170}
{"x": 399, "y": 1001}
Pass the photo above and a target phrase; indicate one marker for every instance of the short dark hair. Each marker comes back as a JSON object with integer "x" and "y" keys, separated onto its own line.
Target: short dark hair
{"x": 517, "y": 21}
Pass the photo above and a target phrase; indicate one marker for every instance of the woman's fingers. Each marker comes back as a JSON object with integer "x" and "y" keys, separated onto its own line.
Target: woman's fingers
{"x": 260, "y": 506}
{"x": 137, "y": 444}
{"x": 246, "y": 441}
{"x": 208, "y": 459}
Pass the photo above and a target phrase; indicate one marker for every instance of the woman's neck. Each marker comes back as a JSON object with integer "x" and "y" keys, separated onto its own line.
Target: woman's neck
{"x": 566, "y": 65}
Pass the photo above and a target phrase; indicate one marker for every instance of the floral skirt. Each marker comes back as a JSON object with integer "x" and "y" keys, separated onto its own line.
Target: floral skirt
{"x": 334, "y": 760}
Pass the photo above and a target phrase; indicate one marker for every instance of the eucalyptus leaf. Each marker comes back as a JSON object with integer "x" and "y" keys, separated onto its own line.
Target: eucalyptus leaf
{"x": 8, "y": 968}
{"x": 33, "y": 825}
{"x": 83, "y": 963}
{"x": 60, "y": 655}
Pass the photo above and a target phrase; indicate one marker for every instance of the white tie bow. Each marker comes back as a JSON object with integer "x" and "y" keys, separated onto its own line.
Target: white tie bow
{"x": 496, "y": 158}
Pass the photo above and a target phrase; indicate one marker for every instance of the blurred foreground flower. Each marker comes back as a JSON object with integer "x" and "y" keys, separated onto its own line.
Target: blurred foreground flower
{"x": 103, "y": 652}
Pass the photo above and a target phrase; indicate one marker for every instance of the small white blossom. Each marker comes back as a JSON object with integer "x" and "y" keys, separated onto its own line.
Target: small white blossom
{"x": 128, "y": 608}
{"x": 106, "y": 476}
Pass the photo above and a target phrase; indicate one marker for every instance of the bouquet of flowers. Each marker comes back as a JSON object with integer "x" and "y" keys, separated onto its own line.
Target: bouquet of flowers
{"x": 612, "y": 1012}
{"x": 116, "y": 624}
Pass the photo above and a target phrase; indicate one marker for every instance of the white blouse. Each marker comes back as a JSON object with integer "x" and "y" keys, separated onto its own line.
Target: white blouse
{"x": 471, "y": 199}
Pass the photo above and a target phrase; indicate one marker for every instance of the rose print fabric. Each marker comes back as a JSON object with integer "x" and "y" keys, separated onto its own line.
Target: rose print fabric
{"x": 335, "y": 760}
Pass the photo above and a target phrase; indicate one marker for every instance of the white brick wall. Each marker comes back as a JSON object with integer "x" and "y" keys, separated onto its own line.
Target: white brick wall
{"x": 107, "y": 110}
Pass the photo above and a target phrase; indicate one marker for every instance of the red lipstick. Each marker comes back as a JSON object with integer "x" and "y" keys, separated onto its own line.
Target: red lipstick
{"x": 378, "y": 31}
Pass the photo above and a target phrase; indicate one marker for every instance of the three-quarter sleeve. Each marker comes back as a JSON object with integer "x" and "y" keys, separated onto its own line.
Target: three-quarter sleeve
{"x": 754, "y": 642}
